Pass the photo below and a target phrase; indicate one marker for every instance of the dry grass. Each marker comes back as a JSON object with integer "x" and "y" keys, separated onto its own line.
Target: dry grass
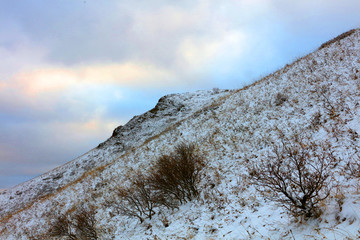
{"x": 337, "y": 39}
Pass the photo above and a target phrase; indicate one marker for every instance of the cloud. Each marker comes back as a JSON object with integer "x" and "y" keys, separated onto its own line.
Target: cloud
{"x": 199, "y": 53}
{"x": 80, "y": 88}
{"x": 18, "y": 53}
{"x": 72, "y": 71}
{"x": 153, "y": 31}
{"x": 61, "y": 78}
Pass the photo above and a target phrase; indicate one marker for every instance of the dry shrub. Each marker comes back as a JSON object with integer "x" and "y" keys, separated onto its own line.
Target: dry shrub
{"x": 175, "y": 177}
{"x": 79, "y": 225}
{"x": 85, "y": 223}
{"x": 139, "y": 200}
{"x": 63, "y": 227}
{"x": 332, "y": 108}
{"x": 316, "y": 121}
{"x": 173, "y": 180}
{"x": 297, "y": 174}
{"x": 280, "y": 98}
{"x": 352, "y": 167}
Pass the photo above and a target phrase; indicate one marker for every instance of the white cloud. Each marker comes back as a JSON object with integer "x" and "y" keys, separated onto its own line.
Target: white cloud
{"x": 68, "y": 71}
{"x": 20, "y": 55}
{"x": 198, "y": 53}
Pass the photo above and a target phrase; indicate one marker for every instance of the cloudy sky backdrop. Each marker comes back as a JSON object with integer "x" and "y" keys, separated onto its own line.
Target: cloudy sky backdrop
{"x": 73, "y": 70}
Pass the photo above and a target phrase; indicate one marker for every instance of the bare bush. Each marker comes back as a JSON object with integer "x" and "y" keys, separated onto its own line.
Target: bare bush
{"x": 173, "y": 180}
{"x": 176, "y": 176}
{"x": 332, "y": 103}
{"x": 352, "y": 167}
{"x": 79, "y": 225}
{"x": 296, "y": 174}
{"x": 139, "y": 200}
{"x": 316, "y": 121}
{"x": 62, "y": 227}
{"x": 280, "y": 98}
{"x": 85, "y": 223}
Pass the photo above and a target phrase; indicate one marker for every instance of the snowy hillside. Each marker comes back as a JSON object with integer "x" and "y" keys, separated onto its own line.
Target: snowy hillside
{"x": 311, "y": 105}
{"x": 169, "y": 110}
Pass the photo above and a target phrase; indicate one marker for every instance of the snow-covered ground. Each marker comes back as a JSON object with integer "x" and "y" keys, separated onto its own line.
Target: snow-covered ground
{"x": 317, "y": 96}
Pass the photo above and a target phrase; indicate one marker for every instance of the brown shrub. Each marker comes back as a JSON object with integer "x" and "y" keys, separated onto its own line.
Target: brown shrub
{"x": 75, "y": 226}
{"x": 175, "y": 177}
{"x": 62, "y": 227}
{"x": 280, "y": 98}
{"x": 352, "y": 167}
{"x": 173, "y": 180}
{"x": 85, "y": 223}
{"x": 138, "y": 200}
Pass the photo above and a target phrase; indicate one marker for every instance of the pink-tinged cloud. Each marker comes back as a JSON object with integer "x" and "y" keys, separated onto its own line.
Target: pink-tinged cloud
{"x": 55, "y": 79}
{"x": 43, "y": 89}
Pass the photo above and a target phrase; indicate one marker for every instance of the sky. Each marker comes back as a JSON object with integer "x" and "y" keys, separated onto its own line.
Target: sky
{"x": 73, "y": 70}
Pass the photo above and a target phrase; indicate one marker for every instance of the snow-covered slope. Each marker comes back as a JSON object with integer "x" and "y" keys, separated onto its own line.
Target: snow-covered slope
{"x": 169, "y": 110}
{"x": 317, "y": 96}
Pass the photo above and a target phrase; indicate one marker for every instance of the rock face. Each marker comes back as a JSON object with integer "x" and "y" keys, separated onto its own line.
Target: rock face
{"x": 169, "y": 110}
